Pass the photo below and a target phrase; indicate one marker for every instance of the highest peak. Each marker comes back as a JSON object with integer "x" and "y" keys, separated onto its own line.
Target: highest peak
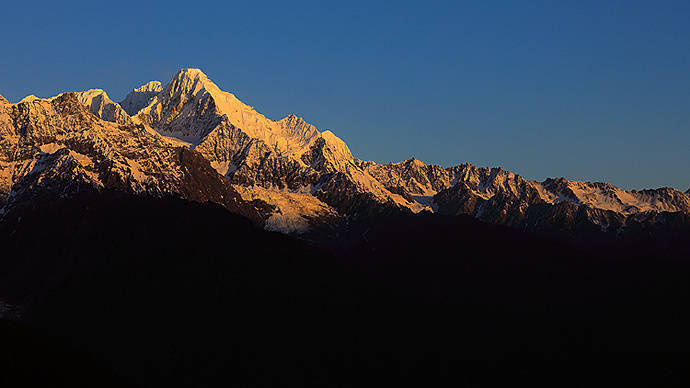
{"x": 190, "y": 80}
{"x": 151, "y": 86}
{"x": 190, "y": 74}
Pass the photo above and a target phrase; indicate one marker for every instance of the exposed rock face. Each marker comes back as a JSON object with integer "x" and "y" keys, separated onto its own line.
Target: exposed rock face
{"x": 295, "y": 175}
{"x": 141, "y": 97}
{"x": 3, "y": 100}
{"x": 58, "y": 147}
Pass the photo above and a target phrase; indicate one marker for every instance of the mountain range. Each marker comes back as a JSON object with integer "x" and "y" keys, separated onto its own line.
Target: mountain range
{"x": 142, "y": 247}
{"x": 189, "y": 139}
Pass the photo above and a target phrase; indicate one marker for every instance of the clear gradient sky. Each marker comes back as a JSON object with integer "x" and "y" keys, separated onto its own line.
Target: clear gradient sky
{"x": 588, "y": 90}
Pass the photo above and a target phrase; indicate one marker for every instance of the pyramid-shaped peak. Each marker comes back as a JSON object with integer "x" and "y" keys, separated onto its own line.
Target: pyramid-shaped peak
{"x": 190, "y": 73}
{"x": 190, "y": 81}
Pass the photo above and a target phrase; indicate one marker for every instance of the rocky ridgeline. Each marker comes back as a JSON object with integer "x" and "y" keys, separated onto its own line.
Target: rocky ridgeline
{"x": 191, "y": 139}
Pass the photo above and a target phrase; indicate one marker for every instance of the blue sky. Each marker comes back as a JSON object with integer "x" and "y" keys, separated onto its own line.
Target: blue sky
{"x": 588, "y": 90}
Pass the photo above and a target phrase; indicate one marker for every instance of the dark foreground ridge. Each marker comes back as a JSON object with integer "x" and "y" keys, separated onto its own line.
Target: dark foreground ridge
{"x": 106, "y": 289}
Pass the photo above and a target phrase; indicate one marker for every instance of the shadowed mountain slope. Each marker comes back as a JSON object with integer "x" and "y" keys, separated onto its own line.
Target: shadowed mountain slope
{"x": 174, "y": 293}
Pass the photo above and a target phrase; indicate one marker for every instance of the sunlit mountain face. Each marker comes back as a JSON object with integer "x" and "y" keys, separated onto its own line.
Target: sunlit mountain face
{"x": 181, "y": 238}
{"x": 299, "y": 178}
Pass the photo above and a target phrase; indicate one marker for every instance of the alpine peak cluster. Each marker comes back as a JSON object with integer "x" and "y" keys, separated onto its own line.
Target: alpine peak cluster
{"x": 192, "y": 140}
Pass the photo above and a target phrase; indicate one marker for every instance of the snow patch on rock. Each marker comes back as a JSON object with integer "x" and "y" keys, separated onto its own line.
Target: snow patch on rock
{"x": 294, "y": 212}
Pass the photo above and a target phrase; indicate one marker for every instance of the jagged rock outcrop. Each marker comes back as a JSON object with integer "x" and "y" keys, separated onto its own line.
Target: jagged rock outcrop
{"x": 3, "y": 100}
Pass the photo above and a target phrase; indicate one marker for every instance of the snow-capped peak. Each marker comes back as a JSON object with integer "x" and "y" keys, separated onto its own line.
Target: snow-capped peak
{"x": 151, "y": 86}
{"x": 288, "y": 163}
{"x": 190, "y": 72}
{"x": 101, "y": 105}
{"x": 191, "y": 102}
{"x": 185, "y": 80}
{"x": 141, "y": 97}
